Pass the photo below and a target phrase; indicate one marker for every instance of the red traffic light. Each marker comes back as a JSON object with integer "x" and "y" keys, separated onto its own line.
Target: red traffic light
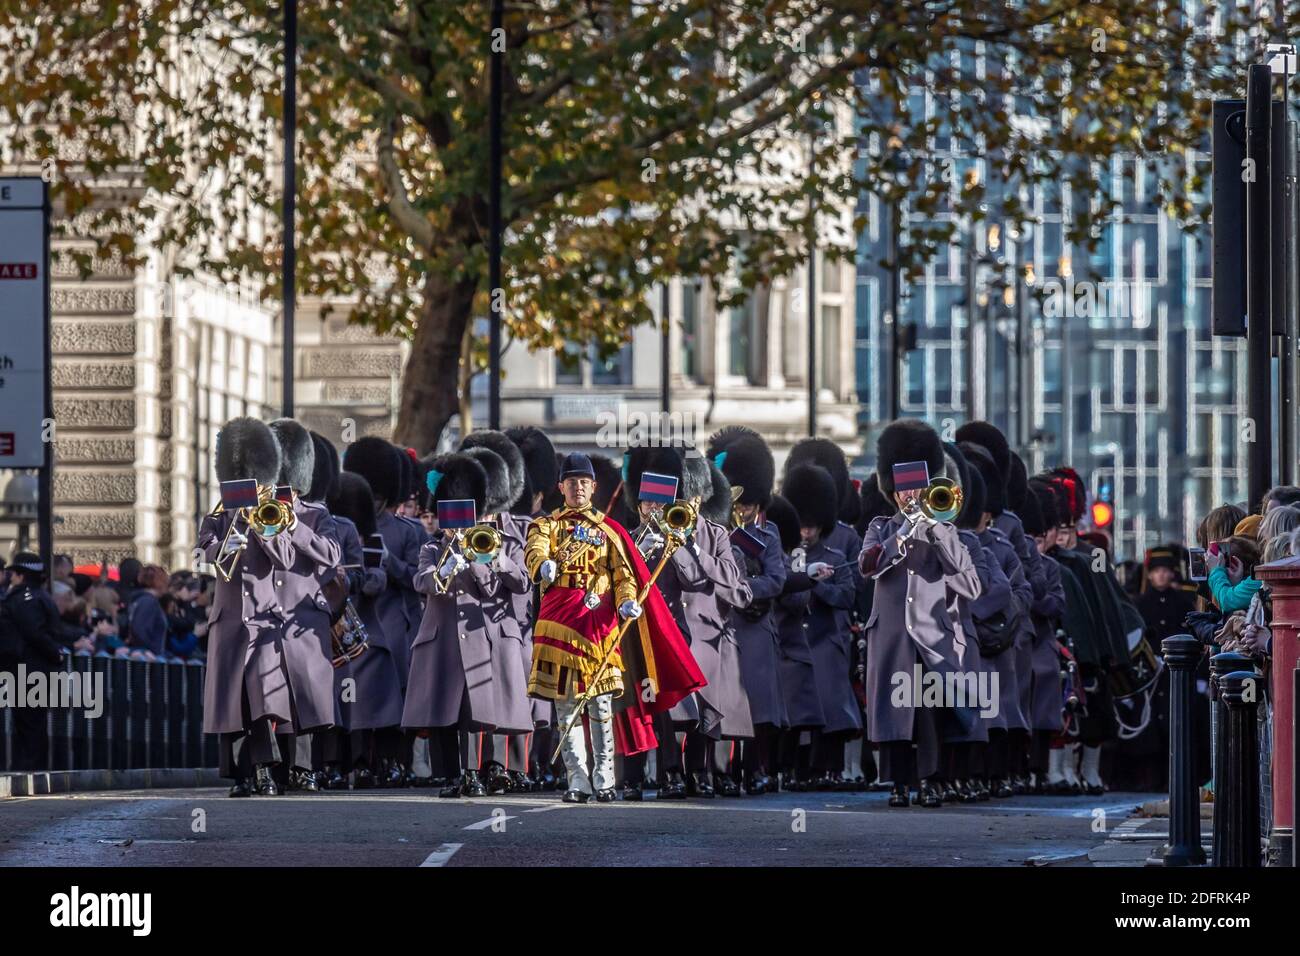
{"x": 1102, "y": 514}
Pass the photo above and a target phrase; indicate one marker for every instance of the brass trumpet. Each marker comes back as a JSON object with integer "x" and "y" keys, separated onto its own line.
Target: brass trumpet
{"x": 678, "y": 516}
{"x": 480, "y": 543}
{"x": 941, "y": 501}
{"x": 267, "y": 518}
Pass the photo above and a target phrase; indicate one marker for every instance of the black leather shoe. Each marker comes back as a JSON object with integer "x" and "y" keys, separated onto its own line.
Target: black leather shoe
{"x": 365, "y": 780}
{"x": 1094, "y": 789}
{"x": 243, "y": 788}
{"x": 698, "y": 785}
{"x": 899, "y": 796}
{"x": 1001, "y": 789}
{"x": 755, "y": 786}
{"x": 948, "y": 792}
{"x": 304, "y": 781}
{"x": 672, "y": 787}
{"x": 395, "y": 776}
{"x": 1019, "y": 786}
{"x": 576, "y": 796}
{"x": 929, "y": 796}
{"x": 824, "y": 781}
{"x": 633, "y": 791}
{"x": 725, "y": 786}
{"x": 473, "y": 785}
{"x": 494, "y": 777}
{"x": 452, "y": 790}
{"x": 334, "y": 779}
{"x": 982, "y": 789}
{"x": 605, "y": 796}
{"x": 843, "y": 784}
{"x": 421, "y": 781}
{"x": 519, "y": 781}
{"x": 967, "y": 793}
{"x": 264, "y": 785}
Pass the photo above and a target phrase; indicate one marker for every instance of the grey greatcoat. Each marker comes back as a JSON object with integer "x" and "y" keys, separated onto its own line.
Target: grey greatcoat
{"x": 701, "y": 584}
{"x": 451, "y": 678}
{"x": 269, "y": 626}
{"x": 375, "y": 699}
{"x": 755, "y": 629}
{"x": 830, "y": 604}
{"x": 1009, "y": 662}
{"x": 512, "y": 657}
{"x": 915, "y": 583}
{"x": 1045, "y": 696}
{"x": 995, "y": 596}
{"x": 399, "y": 606}
{"x": 1031, "y": 563}
{"x": 803, "y": 706}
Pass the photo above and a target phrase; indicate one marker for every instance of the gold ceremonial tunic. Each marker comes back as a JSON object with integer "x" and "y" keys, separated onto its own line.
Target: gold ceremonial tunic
{"x": 570, "y": 639}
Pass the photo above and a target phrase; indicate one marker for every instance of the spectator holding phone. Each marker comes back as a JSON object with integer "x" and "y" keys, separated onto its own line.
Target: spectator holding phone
{"x": 1230, "y": 581}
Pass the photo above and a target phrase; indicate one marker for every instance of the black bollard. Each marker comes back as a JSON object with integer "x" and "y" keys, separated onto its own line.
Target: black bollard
{"x": 1221, "y": 665}
{"x": 1241, "y": 691}
{"x": 1182, "y": 652}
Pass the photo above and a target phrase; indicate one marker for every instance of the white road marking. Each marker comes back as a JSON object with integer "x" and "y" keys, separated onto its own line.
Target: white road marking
{"x": 549, "y": 806}
{"x": 440, "y": 856}
{"x": 484, "y": 824}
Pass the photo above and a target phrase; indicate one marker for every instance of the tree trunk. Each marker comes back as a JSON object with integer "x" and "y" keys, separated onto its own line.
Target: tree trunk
{"x": 431, "y": 380}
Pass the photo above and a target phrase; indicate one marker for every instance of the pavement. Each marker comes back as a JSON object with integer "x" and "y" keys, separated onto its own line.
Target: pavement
{"x": 201, "y": 826}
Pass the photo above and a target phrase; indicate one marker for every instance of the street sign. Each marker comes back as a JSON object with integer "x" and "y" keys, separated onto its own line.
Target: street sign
{"x": 24, "y": 322}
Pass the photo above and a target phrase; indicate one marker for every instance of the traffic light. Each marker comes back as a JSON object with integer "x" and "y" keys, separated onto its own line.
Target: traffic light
{"x": 1102, "y": 515}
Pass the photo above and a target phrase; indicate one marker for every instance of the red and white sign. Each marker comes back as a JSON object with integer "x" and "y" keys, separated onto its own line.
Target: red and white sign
{"x": 24, "y": 351}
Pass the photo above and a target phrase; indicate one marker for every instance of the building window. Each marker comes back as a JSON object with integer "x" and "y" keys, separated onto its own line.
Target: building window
{"x": 616, "y": 369}
{"x": 578, "y": 364}
{"x": 568, "y": 364}
{"x": 740, "y": 319}
{"x": 830, "y": 349}
{"x": 690, "y": 331}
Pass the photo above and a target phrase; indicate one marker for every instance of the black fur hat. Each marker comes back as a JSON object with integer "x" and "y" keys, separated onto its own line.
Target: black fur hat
{"x": 246, "y": 448}
{"x": 508, "y": 452}
{"x": 1049, "y": 503}
{"x": 539, "y": 457}
{"x": 607, "y": 481}
{"x": 412, "y": 475}
{"x": 659, "y": 460}
{"x": 851, "y": 507}
{"x": 824, "y": 452}
{"x": 958, "y": 469}
{"x": 972, "y": 509}
{"x": 458, "y": 476}
{"x": 908, "y": 439}
{"x": 498, "y": 477}
{"x": 350, "y": 497}
{"x": 1017, "y": 485}
{"x": 1031, "y": 516}
{"x": 723, "y": 438}
{"x": 376, "y": 461}
{"x": 716, "y": 506}
{"x": 811, "y": 490}
{"x": 1073, "y": 492}
{"x": 874, "y": 504}
{"x": 990, "y": 437}
{"x": 747, "y": 461}
{"x": 782, "y": 514}
{"x": 297, "y": 454}
{"x": 697, "y": 480}
{"x": 979, "y": 460}
{"x": 325, "y": 469}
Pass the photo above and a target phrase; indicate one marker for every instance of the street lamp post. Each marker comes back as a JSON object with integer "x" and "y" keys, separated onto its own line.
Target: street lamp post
{"x": 495, "y": 290}
{"x": 288, "y": 275}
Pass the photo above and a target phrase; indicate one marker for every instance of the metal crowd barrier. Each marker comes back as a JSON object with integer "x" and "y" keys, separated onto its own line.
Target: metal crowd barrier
{"x": 152, "y": 719}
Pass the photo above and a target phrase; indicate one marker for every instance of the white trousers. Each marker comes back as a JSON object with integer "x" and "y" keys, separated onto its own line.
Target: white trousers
{"x": 574, "y": 746}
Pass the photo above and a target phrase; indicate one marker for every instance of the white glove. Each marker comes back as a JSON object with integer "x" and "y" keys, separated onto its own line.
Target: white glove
{"x": 452, "y": 566}
{"x": 820, "y": 570}
{"x": 652, "y": 542}
{"x": 236, "y": 542}
{"x": 629, "y": 609}
{"x": 547, "y": 571}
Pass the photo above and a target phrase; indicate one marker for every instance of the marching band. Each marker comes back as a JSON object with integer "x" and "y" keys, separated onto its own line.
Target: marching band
{"x": 504, "y": 619}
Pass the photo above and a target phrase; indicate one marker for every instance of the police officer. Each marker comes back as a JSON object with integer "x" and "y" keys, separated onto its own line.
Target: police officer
{"x": 33, "y": 637}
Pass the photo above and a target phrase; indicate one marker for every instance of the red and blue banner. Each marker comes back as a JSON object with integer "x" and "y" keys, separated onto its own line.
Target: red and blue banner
{"x": 911, "y": 476}
{"x": 457, "y": 513}
{"x": 661, "y": 489}
{"x": 240, "y": 493}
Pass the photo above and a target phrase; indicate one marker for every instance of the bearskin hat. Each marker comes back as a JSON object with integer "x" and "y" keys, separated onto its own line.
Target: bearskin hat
{"x": 508, "y": 452}
{"x": 325, "y": 469}
{"x": 995, "y": 493}
{"x": 824, "y": 452}
{"x": 539, "y": 457}
{"x": 1031, "y": 516}
{"x": 659, "y": 460}
{"x": 1017, "y": 484}
{"x": 957, "y": 468}
{"x": 810, "y": 489}
{"x": 697, "y": 481}
{"x": 246, "y": 448}
{"x": 1049, "y": 502}
{"x": 851, "y": 507}
{"x": 456, "y": 476}
{"x": 1073, "y": 490}
{"x": 747, "y": 461}
{"x": 874, "y": 504}
{"x": 972, "y": 506}
{"x": 992, "y": 440}
{"x": 723, "y": 437}
{"x": 497, "y": 496}
{"x": 782, "y": 514}
{"x": 297, "y": 454}
{"x": 716, "y": 505}
{"x": 907, "y": 439}
{"x": 350, "y": 497}
{"x": 607, "y": 481}
{"x": 552, "y": 497}
{"x": 376, "y": 461}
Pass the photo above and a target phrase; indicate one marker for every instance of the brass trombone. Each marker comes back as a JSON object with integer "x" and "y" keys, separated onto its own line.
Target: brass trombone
{"x": 480, "y": 544}
{"x": 675, "y": 520}
{"x": 940, "y": 501}
{"x": 267, "y": 518}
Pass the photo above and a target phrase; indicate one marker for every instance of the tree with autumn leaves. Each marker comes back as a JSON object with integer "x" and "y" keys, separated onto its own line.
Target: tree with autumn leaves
{"x": 644, "y": 140}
